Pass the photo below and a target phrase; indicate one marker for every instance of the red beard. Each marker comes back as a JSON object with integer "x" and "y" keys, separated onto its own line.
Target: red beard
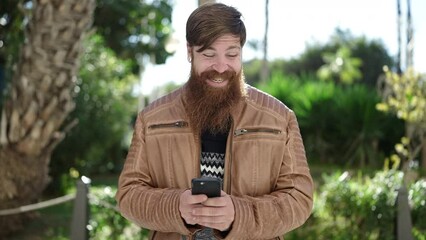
{"x": 209, "y": 108}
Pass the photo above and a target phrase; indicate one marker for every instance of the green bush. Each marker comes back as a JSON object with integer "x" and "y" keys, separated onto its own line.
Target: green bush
{"x": 339, "y": 124}
{"x": 417, "y": 196}
{"x": 362, "y": 207}
{"x": 106, "y": 222}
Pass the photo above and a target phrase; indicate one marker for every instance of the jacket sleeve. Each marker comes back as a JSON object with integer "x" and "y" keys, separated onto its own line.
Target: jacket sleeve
{"x": 152, "y": 208}
{"x": 288, "y": 206}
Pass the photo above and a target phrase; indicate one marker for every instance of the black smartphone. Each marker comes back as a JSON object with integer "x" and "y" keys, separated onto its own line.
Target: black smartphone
{"x": 207, "y": 185}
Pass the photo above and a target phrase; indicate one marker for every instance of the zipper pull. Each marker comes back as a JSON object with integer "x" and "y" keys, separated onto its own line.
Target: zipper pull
{"x": 239, "y": 132}
{"x": 181, "y": 124}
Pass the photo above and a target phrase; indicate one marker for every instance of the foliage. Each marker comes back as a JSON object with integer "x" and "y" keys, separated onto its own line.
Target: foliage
{"x": 405, "y": 96}
{"x": 104, "y": 110}
{"x": 252, "y": 71}
{"x": 361, "y": 207}
{"x": 106, "y": 222}
{"x": 417, "y": 195}
{"x": 372, "y": 54}
{"x": 340, "y": 66}
{"x": 11, "y": 37}
{"x": 339, "y": 124}
{"x": 135, "y": 28}
{"x": 132, "y": 29}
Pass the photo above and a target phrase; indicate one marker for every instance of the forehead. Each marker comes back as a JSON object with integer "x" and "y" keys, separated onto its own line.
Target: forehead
{"x": 225, "y": 42}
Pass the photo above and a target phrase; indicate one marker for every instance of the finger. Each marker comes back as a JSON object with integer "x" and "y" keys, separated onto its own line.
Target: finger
{"x": 186, "y": 206}
{"x": 208, "y": 212}
{"x": 215, "y": 202}
{"x": 215, "y": 223}
{"x": 191, "y": 220}
{"x": 210, "y": 220}
{"x": 188, "y": 216}
{"x": 218, "y": 201}
{"x": 195, "y": 199}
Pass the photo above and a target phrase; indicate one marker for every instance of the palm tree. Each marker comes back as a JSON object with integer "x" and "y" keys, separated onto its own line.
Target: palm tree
{"x": 40, "y": 98}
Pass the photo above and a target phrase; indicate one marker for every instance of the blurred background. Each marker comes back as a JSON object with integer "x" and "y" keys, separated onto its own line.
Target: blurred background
{"x": 74, "y": 74}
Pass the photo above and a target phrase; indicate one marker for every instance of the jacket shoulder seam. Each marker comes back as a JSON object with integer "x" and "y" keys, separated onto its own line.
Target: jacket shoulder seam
{"x": 265, "y": 100}
{"x": 162, "y": 101}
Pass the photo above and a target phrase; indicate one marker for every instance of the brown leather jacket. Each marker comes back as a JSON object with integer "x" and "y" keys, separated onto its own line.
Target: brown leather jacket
{"x": 266, "y": 172}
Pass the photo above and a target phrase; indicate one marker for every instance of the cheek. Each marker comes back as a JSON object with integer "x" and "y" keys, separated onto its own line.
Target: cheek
{"x": 201, "y": 67}
{"x": 236, "y": 67}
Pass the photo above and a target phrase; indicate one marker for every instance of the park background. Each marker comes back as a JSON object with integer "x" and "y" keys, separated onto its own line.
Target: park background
{"x": 71, "y": 91}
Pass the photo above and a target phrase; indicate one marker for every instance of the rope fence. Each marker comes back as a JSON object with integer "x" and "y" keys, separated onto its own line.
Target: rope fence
{"x": 38, "y": 206}
{"x": 56, "y": 201}
{"x": 80, "y": 217}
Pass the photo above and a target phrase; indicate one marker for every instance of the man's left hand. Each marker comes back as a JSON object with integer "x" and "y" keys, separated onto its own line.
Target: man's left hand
{"x": 217, "y": 213}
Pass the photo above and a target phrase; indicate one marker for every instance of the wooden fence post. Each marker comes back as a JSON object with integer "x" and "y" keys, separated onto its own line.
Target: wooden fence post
{"x": 80, "y": 216}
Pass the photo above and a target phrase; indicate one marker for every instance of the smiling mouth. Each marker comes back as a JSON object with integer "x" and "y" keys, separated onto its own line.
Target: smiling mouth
{"x": 217, "y": 80}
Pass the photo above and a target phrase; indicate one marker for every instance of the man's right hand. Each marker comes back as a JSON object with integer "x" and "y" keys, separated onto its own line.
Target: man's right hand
{"x": 188, "y": 203}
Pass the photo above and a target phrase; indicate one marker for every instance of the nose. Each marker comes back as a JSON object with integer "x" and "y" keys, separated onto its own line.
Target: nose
{"x": 220, "y": 65}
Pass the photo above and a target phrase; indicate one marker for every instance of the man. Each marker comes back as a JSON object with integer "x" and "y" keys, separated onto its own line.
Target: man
{"x": 216, "y": 126}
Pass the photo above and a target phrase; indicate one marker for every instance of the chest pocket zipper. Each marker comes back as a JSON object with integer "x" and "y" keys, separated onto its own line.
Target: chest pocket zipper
{"x": 178, "y": 124}
{"x": 244, "y": 131}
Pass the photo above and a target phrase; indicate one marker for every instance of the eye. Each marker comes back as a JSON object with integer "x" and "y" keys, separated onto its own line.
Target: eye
{"x": 233, "y": 55}
{"x": 209, "y": 55}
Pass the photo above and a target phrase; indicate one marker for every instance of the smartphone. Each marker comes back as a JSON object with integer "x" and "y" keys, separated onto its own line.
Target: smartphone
{"x": 207, "y": 185}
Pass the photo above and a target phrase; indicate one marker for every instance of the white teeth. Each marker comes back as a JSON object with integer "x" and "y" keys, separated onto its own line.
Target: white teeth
{"x": 217, "y": 80}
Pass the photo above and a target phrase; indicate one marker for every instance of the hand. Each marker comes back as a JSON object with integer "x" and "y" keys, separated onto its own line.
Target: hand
{"x": 187, "y": 205}
{"x": 217, "y": 213}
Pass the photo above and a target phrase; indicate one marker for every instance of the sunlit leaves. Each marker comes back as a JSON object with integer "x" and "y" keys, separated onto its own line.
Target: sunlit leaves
{"x": 340, "y": 66}
{"x": 405, "y": 95}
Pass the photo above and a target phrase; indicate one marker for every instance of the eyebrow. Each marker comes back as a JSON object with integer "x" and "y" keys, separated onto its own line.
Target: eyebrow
{"x": 229, "y": 48}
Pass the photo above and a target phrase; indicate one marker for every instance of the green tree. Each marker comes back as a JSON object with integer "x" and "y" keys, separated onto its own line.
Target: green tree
{"x": 405, "y": 95}
{"x": 134, "y": 29}
{"x": 103, "y": 115}
{"x": 39, "y": 100}
{"x": 372, "y": 54}
{"x": 40, "y": 86}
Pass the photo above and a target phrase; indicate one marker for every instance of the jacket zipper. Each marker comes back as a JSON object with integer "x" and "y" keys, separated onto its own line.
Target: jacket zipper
{"x": 197, "y": 143}
{"x": 243, "y": 131}
{"x": 230, "y": 162}
{"x": 178, "y": 124}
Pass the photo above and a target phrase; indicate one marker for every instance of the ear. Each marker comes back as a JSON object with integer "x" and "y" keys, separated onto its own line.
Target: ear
{"x": 188, "y": 52}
